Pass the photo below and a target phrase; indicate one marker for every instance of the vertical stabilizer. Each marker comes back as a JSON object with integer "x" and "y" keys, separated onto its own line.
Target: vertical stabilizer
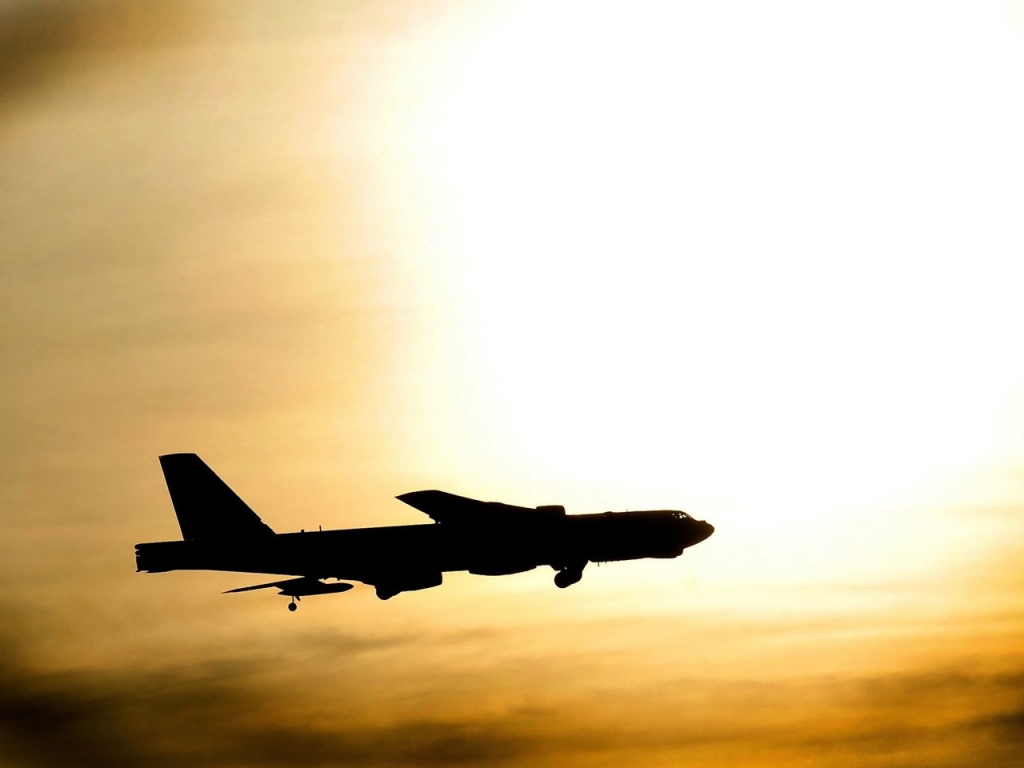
{"x": 205, "y": 506}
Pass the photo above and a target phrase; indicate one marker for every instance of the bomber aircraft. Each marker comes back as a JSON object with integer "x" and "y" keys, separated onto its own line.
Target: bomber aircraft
{"x": 221, "y": 533}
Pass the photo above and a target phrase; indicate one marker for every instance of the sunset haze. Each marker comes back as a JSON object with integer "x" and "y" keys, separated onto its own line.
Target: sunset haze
{"x": 756, "y": 261}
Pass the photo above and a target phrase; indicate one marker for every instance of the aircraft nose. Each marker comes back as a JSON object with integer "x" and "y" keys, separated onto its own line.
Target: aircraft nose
{"x": 706, "y": 530}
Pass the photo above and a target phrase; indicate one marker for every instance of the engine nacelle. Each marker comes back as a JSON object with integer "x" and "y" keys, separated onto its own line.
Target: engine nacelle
{"x": 408, "y": 582}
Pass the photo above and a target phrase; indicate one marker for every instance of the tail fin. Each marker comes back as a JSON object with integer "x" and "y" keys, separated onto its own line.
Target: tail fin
{"x": 205, "y": 506}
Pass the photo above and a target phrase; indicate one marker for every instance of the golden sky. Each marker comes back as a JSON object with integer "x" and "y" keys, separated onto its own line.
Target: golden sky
{"x": 758, "y": 261}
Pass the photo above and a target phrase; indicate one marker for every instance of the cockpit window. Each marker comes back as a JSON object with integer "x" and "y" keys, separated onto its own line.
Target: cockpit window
{"x": 680, "y": 515}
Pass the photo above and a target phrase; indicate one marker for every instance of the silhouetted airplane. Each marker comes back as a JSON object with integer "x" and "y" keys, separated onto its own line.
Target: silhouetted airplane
{"x": 221, "y": 533}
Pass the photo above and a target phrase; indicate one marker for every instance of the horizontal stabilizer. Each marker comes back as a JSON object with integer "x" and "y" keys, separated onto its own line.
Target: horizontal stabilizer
{"x": 300, "y": 587}
{"x": 447, "y": 508}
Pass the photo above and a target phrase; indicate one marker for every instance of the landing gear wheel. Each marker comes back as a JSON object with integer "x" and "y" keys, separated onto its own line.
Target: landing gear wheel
{"x": 292, "y": 606}
{"x": 567, "y": 578}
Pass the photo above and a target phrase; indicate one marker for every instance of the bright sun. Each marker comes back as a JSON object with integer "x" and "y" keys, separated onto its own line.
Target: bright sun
{"x": 755, "y": 274}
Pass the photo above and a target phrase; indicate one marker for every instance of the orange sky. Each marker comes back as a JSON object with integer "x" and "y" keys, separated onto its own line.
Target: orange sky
{"x": 755, "y": 261}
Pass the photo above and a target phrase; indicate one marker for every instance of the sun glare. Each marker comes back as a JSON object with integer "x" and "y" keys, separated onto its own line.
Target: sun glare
{"x": 752, "y": 260}
{"x": 753, "y": 275}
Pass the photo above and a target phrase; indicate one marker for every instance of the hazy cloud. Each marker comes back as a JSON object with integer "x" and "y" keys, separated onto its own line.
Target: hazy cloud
{"x": 234, "y": 712}
{"x": 213, "y": 715}
{"x": 40, "y": 40}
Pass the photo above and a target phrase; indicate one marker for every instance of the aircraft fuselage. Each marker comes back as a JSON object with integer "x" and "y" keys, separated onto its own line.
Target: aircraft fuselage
{"x": 221, "y": 533}
{"x": 373, "y": 555}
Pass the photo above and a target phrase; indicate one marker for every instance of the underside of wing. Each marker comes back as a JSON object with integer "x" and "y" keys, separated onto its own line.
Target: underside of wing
{"x": 450, "y": 509}
{"x": 300, "y": 587}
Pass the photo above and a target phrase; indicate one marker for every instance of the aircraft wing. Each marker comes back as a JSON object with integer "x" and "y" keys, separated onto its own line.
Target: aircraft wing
{"x": 300, "y": 587}
{"x": 449, "y": 509}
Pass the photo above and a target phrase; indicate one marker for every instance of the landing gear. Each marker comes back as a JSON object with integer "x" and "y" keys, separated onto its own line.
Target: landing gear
{"x": 293, "y": 606}
{"x": 568, "y": 576}
{"x": 386, "y": 593}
